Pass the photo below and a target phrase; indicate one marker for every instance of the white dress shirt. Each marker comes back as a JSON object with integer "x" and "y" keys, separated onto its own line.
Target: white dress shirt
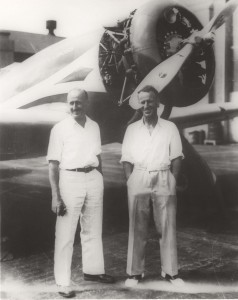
{"x": 151, "y": 151}
{"x": 75, "y": 146}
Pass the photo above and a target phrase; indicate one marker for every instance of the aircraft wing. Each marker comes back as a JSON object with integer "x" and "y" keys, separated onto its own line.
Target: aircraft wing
{"x": 37, "y": 117}
{"x": 203, "y": 114}
{"x": 73, "y": 75}
{"x": 51, "y": 64}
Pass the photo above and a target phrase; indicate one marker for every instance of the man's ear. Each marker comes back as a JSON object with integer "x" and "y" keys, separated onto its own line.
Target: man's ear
{"x": 86, "y": 103}
{"x": 86, "y": 107}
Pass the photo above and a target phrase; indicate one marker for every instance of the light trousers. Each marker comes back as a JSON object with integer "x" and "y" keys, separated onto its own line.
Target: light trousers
{"x": 83, "y": 197}
{"x": 154, "y": 190}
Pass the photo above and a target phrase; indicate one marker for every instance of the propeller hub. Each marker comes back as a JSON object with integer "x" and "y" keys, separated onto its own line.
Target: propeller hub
{"x": 172, "y": 43}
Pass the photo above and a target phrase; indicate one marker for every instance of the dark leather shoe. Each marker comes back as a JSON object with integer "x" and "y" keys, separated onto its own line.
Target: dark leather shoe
{"x": 66, "y": 292}
{"x": 103, "y": 278}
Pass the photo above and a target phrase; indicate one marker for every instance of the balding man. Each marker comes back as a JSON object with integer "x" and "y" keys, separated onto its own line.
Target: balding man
{"x": 77, "y": 192}
{"x": 151, "y": 157}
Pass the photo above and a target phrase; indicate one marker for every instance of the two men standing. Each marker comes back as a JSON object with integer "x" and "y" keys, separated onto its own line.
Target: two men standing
{"x": 151, "y": 156}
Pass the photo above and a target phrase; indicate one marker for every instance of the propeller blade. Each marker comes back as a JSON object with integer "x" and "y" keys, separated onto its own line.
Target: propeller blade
{"x": 165, "y": 72}
{"x": 221, "y": 17}
{"x": 162, "y": 74}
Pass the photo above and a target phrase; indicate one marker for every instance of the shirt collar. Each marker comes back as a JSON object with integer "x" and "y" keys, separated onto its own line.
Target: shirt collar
{"x": 71, "y": 119}
{"x": 158, "y": 124}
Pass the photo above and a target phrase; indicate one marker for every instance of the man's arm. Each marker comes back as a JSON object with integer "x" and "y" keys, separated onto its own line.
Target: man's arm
{"x": 58, "y": 205}
{"x": 176, "y": 166}
{"x": 99, "y": 168}
{"x": 128, "y": 168}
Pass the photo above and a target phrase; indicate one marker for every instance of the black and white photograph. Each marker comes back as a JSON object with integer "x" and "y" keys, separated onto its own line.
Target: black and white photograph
{"x": 118, "y": 149}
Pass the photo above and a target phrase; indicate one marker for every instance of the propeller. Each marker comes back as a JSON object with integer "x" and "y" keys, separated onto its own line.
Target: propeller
{"x": 164, "y": 73}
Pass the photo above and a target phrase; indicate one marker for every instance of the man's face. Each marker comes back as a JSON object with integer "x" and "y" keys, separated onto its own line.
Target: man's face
{"x": 77, "y": 104}
{"x": 149, "y": 104}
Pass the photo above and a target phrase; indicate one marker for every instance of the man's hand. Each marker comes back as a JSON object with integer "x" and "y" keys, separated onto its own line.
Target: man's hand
{"x": 61, "y": 209}
{"x": 58, "y": 205}
{"x": 128, "y": 168}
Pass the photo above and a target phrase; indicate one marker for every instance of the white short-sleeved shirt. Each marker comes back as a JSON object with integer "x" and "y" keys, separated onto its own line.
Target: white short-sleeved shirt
{"x": 75, "y": 146}
{"x": 151, "y": 151}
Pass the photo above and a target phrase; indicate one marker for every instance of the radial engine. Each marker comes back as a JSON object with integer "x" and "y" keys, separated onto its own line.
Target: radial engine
{"x": 151, "y": 34}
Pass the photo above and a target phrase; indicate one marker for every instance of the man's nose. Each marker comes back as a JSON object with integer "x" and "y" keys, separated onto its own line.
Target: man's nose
{"x": 146, "y": 104}
{"x": 75, "y": 105}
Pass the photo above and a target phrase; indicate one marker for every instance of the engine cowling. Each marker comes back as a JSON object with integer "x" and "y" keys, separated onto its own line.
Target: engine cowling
{"x": 152, "y": 33}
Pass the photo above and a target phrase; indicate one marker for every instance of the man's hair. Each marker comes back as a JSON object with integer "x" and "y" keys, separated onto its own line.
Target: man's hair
{"x": 150, "y": 89}
{"x": 77, "y": 92}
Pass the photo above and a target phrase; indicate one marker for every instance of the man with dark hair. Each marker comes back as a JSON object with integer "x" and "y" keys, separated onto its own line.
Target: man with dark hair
{"x": 151, "y": 157}
{"x": 77, "y": 191}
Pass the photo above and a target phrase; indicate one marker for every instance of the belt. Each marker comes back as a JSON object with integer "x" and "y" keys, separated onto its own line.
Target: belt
{"x": 85, "y": 170}
{"x": 162, "y": 167}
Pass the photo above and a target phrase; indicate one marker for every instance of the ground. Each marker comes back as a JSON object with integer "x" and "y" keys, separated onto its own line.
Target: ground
{"x": 208, "y": 259}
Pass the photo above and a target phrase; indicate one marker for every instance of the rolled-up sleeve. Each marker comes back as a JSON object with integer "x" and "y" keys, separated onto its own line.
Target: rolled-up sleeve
{"x": 55, "y": 146}
{"x": 126, "y": 147}
{"x": 176, "y": 149}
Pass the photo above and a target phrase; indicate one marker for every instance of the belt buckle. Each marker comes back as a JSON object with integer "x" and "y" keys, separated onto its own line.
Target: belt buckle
{"x": 87, "y": 169}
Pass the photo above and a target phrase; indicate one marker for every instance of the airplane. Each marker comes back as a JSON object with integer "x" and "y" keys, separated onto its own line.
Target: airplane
{"x": 161, "y": 43}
